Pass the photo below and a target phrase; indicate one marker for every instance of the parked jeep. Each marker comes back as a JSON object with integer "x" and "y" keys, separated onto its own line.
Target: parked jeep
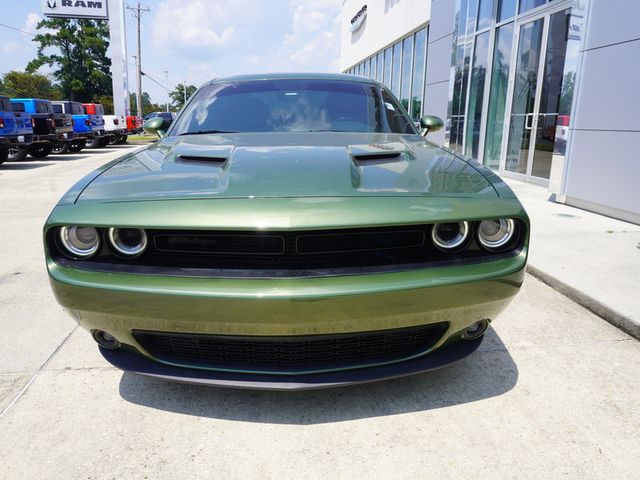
{"x": 83, "y": 128}
{"x": 116, "y": 128}
{"x": 96, "y": 115}
{"x": 16, "y": 133}
{"x": 37, "y": 132}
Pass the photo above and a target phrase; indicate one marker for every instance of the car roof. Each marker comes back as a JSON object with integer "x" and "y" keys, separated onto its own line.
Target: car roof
{"x": 296, "y": 76}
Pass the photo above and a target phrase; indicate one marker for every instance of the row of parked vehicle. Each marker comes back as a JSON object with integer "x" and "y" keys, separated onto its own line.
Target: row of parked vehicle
{"x": 37, "y": 127}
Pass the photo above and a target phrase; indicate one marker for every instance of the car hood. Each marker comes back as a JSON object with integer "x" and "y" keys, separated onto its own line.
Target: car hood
{"x": 288, "y": 165}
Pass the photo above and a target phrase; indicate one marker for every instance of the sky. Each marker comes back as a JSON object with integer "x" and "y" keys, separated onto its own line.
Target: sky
{"x": 197, "y": 40}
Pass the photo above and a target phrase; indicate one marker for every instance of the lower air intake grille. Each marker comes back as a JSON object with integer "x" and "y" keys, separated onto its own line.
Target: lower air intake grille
{"x": 304, "y": 353}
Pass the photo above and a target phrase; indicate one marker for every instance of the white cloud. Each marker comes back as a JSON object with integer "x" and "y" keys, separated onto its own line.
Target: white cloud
{"x": 31, "y": 22}
{"x": 11, "y": 47}
{"x": 195, "y": 24}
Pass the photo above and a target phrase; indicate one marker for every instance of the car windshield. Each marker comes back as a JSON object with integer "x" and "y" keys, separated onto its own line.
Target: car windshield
{"x": 292, "y": 105}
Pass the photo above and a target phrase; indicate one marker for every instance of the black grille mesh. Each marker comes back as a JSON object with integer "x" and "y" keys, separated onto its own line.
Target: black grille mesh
{"x": 309, "y": 352}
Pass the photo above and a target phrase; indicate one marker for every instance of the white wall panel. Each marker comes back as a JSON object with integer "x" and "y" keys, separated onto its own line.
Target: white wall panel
{"x": 613, "y": 21}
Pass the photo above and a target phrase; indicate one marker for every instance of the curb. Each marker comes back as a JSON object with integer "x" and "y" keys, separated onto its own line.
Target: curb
{"x": 616, "y": 319}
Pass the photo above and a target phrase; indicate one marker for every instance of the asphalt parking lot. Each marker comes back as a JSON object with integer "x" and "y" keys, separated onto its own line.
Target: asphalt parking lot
{"x": 553, "y": 391}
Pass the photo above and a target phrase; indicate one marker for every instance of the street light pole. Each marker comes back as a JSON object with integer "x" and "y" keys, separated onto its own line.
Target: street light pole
{"x": 166, "y": 82}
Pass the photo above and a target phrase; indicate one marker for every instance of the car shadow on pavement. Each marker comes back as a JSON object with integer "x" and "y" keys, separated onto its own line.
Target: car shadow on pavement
{"x": 488, "y": 372}
{"x": 25, "y": 165}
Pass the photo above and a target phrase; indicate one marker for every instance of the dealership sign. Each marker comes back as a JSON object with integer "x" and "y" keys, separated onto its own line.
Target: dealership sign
{"x": 358, "y": 19}
{"x": 76, "y": 9}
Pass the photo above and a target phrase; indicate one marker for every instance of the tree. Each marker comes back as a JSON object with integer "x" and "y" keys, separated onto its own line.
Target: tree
{"x": 77, "y": 51}
{"x": 177, "y": 96}
{"x": 29, "y": 85}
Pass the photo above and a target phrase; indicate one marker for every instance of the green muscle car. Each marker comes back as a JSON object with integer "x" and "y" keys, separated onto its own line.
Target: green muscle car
{"x": 287, "y": 232}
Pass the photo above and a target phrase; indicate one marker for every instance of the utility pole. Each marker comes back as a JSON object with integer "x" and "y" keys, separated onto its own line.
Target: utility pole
{"x": 185, "y": 94}
{"x": 137, "y": 12}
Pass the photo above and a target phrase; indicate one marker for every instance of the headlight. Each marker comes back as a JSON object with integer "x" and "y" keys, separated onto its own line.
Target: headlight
{"x": 80, "y": 242}
{"x": 450, "y": 236}
{"x": 494, "y": 234}
{"x": 128, "y": 241}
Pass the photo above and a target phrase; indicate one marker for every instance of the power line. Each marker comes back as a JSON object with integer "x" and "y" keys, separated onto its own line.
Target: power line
{"x": 154, "y": 80}
{"x": 17, "y": 29}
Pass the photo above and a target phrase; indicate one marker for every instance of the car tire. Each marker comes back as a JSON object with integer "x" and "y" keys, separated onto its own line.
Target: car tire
{"x": 77, "y": 145}
{"x": 94, "y": 143}
{"x": 17, "y": 154}
{"x": 4, "y": 153}
{"x": 104, "y": 141}
{"x": 62, "y": 147}
{"x": 122, "y": 139}
{"x": 40, "y": 150}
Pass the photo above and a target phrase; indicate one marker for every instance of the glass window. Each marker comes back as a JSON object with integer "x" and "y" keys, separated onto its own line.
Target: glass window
{"x": 458, "y": 102}
{"x": 476, "y": 94}
{"x": 397, "y": 120}
{"x": 291, "y": 105}
{"x": 405, "y": 81}
{"x": 506, "y": 9}
{"x": 498, "y": 95}
{"x": 397, "y": 68}
{"x": 462, "y": 18}
{"x": 485, "y": 14}
{"x": 366, "y": 68}
{"x": 419, "y": 52}
{"x": 372, "y": 67}
{"x": 471, "y": 16}
{"x": 388, "y": 60}
{"x": 379, "y": 67}
{"x": 526, "y": 5}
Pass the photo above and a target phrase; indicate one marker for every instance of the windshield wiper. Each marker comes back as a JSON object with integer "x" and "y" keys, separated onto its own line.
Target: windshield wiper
{"x": 205, "y": 132}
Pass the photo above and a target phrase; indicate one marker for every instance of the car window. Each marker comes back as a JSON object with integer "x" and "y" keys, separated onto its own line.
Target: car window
{"x": 5, "y": 105}
{"x": 99, "y": 110}
{"x": 57, "y": 108}
{"x": 396, "y": 118}
{"x": 289, "y": 105}
{"x": 43, "y": 107}
{"x": 17, "y": 106}
{"x": 76, "y": 109}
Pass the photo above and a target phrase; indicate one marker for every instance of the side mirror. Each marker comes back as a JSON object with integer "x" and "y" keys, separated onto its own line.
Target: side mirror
{"x": 156, "y": 126}
{"x": 430, "y": 123}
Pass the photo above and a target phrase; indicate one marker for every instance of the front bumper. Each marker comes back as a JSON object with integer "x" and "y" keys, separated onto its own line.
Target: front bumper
{"x": 120, "y": 303}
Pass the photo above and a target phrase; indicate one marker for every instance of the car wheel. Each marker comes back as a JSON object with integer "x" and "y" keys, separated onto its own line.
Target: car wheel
{"x": 40, "y": 150}
{"x": 77, "y": 145}
{"x": 17, "y": 154}
{"x": 62, "y": 147}
{"x": 94, "y": 143}
{"x": 121, "y": 140}
{"x": 4, "y": 154}
{"x": 104, "y": 141}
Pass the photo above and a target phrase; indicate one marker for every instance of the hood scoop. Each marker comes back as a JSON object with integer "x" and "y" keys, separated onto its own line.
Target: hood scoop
{"x": 379, "y": 153}
{"x": 202, "y": 154}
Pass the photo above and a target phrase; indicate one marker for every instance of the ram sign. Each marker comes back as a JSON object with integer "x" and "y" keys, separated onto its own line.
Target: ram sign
{"x": 76, "y": 9}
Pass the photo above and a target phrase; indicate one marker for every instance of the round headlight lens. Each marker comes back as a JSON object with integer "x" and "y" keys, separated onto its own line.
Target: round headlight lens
{"x": 128, "y": 241}
{"x": 494, "y": 234}
{"x": 80, "y": 241}
{"x": 450, "y": 236}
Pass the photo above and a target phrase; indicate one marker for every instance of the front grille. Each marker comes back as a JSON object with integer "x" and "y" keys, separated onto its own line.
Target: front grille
{"x": 294, "y": 353}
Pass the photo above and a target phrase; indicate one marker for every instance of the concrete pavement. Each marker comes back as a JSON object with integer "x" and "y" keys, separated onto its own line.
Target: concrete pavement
{"x": 593, "y": 259}
{"x": 551, "y": 393}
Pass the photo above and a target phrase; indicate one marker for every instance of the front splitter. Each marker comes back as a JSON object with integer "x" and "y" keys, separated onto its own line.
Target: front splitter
{"x": 133, "y": 362}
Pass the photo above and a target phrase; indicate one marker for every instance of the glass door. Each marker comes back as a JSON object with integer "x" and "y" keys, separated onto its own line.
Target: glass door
{"x": 536, "y": 94}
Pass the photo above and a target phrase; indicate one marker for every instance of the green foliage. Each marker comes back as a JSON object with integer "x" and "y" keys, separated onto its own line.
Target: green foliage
{"x": 29, "y": 85}
{"x": 107, "y": 103}
{"x": 77, "y": 51}
{"x": 177, "y": 96}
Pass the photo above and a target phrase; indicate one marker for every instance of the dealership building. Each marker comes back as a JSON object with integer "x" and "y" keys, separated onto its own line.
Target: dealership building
{"x": 543, "y": 91}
